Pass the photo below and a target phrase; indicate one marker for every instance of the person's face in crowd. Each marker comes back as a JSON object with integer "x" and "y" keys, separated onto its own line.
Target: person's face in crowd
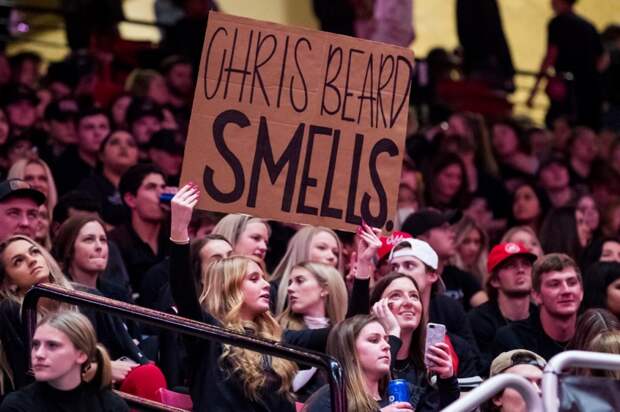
{"x": 504, "y": 140}
{"x": 144, "y": 127}
{"x": 414, "y": 267}
{"x": 441, "y": 240}
{"x": 255, "y": 291}
{"x": 145, "y": 203}
{"x": 55, "y": 359}
{"x": 120, "y": 152}
{"x": 408, "y": 189}
{"x": 158, "y": 91}
{"x": 4, "y": 127}
{"x": 541, "y": 142}
{"x": 59, "y": 90}
{"x": 514, "y": 276}
{"x": 253, "y": 240}
{"x": 457, "y": 125}
{"x": 324, "y": 249}
{"x": 28, "y": 73}
{"x": 64, "y": 132}
{"x": 510, "y": 400}
{"x": 373, "y": 351}
{"x": 169, "y": 163}
{"x": 449, "y": 181}
{"x": 561, "y": 132}
{"x": 43, "y": 225}
{"x": 90, "y": 250}
{"x": 180, "y": 80}
{"x": 35, "y": 174}
{"x": 469, "y": 249}
{"x": 405, "y": 302}
{"x": 526, "y": 206}
{"x": 213, "y": 250}
{"x": 22, "y": 113}
{"x": 528, "y": 239}
{"x": 119, "y": 110}
{"x": 91, "y": 131}
{"x": 24, "y": 264}
{"x": 554, "y": 177}
{"x": 587, "y": 207}
{"x": 306, "y": 296}
{"x": 613, "y": 297}
{"x": 21, "y": 149}
{"x": 560, "y": 293}
{"x": 610, "y": 252}
{"x": 204, "y": 228}
{"x": 18, "y": 216}
{"x": 585, "y": 146}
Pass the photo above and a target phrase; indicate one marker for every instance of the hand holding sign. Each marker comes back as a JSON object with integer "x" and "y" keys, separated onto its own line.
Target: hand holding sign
{"x": 297, "y": 125}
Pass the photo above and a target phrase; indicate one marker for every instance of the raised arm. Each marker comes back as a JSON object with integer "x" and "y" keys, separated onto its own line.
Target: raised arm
{"x": 363, "y": 269}
{"x": 182, "y": 283}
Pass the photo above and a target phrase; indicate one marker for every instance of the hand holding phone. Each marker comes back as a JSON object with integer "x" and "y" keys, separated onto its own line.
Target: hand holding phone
{"x": 435, "y": 333}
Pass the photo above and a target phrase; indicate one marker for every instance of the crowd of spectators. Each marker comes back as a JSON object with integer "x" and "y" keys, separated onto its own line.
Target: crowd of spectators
{"x": 508, "y": 232}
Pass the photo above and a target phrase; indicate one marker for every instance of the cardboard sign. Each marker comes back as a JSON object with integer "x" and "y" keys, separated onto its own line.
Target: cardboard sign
{"x": 298, "y": 125}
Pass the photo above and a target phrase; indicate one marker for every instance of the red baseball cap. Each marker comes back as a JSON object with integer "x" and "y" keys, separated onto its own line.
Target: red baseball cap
{"x": 507, "y": 250}
{"x": 388, "y": 243}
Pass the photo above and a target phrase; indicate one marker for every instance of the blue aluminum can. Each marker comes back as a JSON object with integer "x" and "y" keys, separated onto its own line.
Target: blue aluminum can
{"x": 166, "y": 197}
{"x": 398, "y": 391}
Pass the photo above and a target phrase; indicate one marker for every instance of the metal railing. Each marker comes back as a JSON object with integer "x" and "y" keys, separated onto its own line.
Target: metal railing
{"x": 494, "y": 386}
{"x": 572, "y": 359}
{"x": 189, "y": 327}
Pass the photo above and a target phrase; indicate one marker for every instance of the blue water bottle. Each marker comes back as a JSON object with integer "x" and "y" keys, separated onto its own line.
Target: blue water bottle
{"x": 398, "y": 391}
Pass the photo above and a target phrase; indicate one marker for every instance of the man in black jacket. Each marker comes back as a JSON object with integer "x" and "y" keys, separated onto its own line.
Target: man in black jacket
{"x": 558, "y": 291}
{"x": 509, "y": 286}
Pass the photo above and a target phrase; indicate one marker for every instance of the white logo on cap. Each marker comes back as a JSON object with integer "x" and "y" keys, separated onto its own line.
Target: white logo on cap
{"x": 394, "y": 239}
{"x": 512, "y": 248}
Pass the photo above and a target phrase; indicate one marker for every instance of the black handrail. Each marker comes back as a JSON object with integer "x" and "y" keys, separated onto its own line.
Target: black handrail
{"x": 186, "y": 326}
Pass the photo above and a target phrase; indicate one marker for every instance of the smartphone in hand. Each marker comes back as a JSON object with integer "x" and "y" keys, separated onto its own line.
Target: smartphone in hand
{"x": 435, "y": 333}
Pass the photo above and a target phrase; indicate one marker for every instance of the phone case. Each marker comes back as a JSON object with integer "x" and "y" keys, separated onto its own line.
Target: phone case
{"x": 435, "y": 333}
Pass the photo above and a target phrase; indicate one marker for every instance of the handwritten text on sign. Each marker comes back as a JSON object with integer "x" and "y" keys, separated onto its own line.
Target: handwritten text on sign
{"x": 298, "y": 125}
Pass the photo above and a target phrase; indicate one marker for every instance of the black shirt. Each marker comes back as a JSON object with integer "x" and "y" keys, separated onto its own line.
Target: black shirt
{"x": 449, "y": 312}
{"x": 321, "y": 401}
{"x": 460, "y": 285}
{"x": 213, "y": 387}
{"x": 69, "y": 170}
{"x": 527, "y": 334}
{"x": 485, "y": 320}
{"x": 113, "y": 211}
{"x": 41, "y": 397}
{"x": 137, "y": 254}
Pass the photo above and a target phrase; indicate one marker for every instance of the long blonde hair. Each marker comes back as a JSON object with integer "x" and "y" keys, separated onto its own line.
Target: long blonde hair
{"x": 223, "y": 299}
{"x": 336, "y": 301}
{"x": 232, "y": 226}
{"x": 18, "y": 171}
{"x": 341, "y": 345}
{"x": 82, "y": 335}
{"x": 10, "y": 294}
{"x": 462, "y": 229}
{"x": 605, "y": 342}
{"x": 7, "y": 291}
{"x": 298, "y": 251}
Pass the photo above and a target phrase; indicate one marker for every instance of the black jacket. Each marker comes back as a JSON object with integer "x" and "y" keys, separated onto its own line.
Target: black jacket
{"x": 41, "y": 397}
{"x": 213, "y": 387}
